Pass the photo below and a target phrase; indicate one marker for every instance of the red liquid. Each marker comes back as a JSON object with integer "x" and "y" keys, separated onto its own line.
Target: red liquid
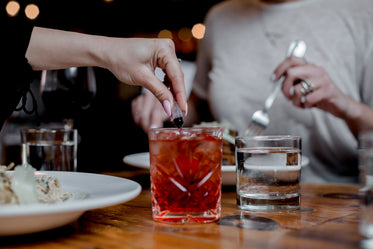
{"x": 186, "y": 177}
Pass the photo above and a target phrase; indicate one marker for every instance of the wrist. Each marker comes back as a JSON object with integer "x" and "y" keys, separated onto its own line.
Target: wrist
{"x": 353, "y": 110}
{"x": 358, "y": 116}
{"x": 97, "y": 51}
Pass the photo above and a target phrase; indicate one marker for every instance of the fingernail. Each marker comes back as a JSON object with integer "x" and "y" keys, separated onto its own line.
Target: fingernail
{"x": 186, "y": 110}
{"x": 291, "y": 91}
{"x": 153, "y": 126}
{"x": 303, "y": 100}
{"x": 273, "y": 77}
{"x": 167, "y": 107}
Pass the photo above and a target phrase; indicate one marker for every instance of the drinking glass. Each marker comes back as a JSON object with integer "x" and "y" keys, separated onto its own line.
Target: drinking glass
{"x": 185, "y": 174}
{"x": 50, "y": 149}
{"x": 268, "y": 172}
{"x": 366, "y": 177}
{"x": 67, "y": 92}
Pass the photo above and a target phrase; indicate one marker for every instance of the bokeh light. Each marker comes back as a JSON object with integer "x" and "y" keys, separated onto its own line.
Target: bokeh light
{"x": 12, "y": 8}
{"x": 198, "y": 30}
{"x": 32, "y": 11}
{"x": 165, "y": 34}
{"x": 184, "y": 34}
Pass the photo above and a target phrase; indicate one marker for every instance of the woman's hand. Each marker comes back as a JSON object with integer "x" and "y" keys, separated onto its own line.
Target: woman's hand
{"x": 309, "y": 85}
{"x": 131, "y": 60}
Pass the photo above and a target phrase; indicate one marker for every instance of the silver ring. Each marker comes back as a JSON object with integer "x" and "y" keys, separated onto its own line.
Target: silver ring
{"x": 307, "y": 87}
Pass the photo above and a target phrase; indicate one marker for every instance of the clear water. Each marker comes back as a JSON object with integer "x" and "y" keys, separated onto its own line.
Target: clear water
{"x": 268, "y": 178}
{"x": 59, "y": 156}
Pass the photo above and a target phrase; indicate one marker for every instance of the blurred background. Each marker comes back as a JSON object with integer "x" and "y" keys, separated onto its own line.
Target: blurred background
{"x": 103, "y": 116}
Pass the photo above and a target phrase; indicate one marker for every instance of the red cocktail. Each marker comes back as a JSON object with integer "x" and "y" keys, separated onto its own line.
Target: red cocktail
{"x": 185, "y": 168}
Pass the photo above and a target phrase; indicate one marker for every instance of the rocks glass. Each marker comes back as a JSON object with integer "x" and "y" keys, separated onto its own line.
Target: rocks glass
{"x": 185, "y": 174}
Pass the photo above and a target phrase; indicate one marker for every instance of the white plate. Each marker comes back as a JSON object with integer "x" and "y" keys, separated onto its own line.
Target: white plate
{"x": 142, "y": 160}
{"x": 90, "y": 191}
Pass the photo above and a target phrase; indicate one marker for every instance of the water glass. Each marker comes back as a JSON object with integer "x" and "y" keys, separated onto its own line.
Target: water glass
{"x": 268, "y": 172}
{"x": 366, "y": 178}
{"x": 366, "y": 158}
{"x": 185, "y": 174}
{"x": 50, "y": 149}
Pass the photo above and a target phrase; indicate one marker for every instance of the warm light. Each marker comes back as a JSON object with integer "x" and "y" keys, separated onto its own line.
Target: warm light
{"x": 165, "y": 34}
{"x": 12, "y": 8}
{"x": 108, "y": 1}
{"x": 198, "y": 30}
{"x": 184, "y": 34}
{"x": 32, "y": 11}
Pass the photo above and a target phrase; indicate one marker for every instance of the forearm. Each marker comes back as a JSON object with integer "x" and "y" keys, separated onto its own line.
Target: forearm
{"x": 56, "y": 49}
{"x": 358, "y": 116}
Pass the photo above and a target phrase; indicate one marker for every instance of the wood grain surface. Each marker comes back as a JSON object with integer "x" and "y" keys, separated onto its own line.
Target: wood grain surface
{"x": 328, "y": 218}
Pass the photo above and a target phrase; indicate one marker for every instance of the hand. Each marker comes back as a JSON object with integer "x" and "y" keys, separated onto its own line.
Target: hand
{"x": 147, "y": 112}
{"x": 133, "y": 61}
{"x": 323, "y": 93}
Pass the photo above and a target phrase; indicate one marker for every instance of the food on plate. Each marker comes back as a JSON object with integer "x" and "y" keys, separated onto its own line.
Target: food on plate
{"x": 24, "y": 187}
{"x": 229, "y": 135}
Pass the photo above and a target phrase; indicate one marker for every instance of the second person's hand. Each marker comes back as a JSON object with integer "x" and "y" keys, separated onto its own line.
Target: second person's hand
{"x": 147, "y": 112}
{"x": 308, "y": 85}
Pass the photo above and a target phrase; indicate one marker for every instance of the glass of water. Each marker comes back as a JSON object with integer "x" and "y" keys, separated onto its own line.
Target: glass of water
{"x": 366, "y": 178}
{"x": 50, "y": 149}
{"x": 268, "y": 172}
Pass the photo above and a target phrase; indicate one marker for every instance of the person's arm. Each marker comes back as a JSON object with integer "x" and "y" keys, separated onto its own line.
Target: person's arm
{"x": 358, "y": 116}
{"x": 132, "y": 60}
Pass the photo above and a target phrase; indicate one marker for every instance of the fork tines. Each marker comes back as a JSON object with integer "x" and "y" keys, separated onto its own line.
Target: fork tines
{"x": 254, "y": 130}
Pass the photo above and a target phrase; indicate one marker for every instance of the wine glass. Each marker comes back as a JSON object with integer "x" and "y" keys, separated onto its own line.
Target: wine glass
{"x": 67, "y": 92}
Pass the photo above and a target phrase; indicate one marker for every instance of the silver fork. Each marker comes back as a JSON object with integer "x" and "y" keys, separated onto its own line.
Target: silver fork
{"x": 260, "y": 118}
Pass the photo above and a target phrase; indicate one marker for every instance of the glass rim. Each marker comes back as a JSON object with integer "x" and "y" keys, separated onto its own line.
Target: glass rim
{"x": 45, "y": 130}
{"x": 186, "y": 129}
{"x": 269, "y": 137}
{"x": 365, "y": 135}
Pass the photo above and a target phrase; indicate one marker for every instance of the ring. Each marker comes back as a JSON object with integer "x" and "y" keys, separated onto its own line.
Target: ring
{"x": 307, "y": 87}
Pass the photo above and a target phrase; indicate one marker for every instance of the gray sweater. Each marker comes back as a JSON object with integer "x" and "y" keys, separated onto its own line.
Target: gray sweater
{"x": 245, "y": 41}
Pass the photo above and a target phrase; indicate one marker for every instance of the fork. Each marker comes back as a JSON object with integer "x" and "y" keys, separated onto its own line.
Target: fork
{"x": 260, "y": 118}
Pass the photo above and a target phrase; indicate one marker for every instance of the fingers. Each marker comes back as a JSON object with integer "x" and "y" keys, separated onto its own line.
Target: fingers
{"x": 165, "y": 58}
{"x": 161, "y": 92}
{"x": 171, "y": 66}
{"x": 289, "y": 62}
{"x": 294, "y": 70}
{"x": 157, "y": 118}
{"x": 300, "y": 95}
{"x": 291, "y": 86}
{"x": 309, "y": 85}
{"x": 135, "y": 109}
{"x": 147, "y": 112}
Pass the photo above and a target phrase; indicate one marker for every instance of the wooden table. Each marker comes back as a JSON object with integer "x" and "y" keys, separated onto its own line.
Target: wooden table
{"x": 328, "y": 218}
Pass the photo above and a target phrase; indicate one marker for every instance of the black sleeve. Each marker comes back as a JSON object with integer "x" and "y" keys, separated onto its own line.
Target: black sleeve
{"x": 16, "y": 73}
